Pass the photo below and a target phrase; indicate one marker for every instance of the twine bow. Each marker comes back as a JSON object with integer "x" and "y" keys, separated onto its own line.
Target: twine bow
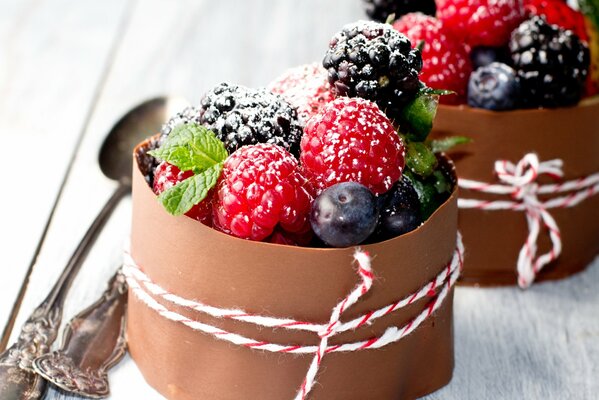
{"x": 519, "y": 181}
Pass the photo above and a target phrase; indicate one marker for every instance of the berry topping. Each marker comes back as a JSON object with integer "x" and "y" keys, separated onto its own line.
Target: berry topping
{"x": 552, "y": 64}
{"x": 558, "y": 12}
{"x": 494, "y": 87}
{"x": 352, "y": 140}
{"x": 306, "y": 88}
{"x": 260, "y": 189}
{"x": 481, "y": 22}
{"x": 446, "y": 63}
{"x": 344, "y": 215}
{"x": 400, "y": 211}
{"x": 167, "y": 175}
{"x": 380, "y": 10}
{"x": 482, "y": 56}
{"x": 376, "y": 62}
{"x": 240, "y": 116}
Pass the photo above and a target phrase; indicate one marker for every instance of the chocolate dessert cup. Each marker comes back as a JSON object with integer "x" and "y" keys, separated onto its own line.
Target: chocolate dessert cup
{"x": 197, "y": 262}
{"x": 493, "y": 239}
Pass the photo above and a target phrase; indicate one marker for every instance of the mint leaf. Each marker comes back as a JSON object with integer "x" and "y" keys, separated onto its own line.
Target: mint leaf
{"x": 182, "y": 197}
{"x": 441, "y": 145}
{"x": 191, "y": 147}
{"x": 420, "y": 159}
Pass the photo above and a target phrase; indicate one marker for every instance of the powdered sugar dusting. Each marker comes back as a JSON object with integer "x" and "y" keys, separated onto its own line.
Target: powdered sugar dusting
{"x": 305, "y": 87}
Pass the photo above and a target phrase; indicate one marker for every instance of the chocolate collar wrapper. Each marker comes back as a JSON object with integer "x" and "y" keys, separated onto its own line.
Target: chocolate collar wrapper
{"x": 199, "y": 263}
{"x": 494, "y": 238}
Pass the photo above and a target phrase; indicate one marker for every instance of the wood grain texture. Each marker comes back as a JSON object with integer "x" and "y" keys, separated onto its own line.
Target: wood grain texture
{"x": 52, "y": 56}
{"x": 510, "y": 344}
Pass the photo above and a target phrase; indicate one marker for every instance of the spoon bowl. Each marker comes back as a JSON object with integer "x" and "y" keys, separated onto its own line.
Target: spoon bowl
{"x": 141, "y": 122}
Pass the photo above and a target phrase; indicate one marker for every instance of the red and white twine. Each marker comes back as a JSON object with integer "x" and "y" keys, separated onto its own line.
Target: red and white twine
{"x": 437, "y": 290}
{"x": 519, "y": 182}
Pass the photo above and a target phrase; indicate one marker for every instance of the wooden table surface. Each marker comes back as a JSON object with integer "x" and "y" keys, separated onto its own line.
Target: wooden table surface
{"x": 69, "y": 69}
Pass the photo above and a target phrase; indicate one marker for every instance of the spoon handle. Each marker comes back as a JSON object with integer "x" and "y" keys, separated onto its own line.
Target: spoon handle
{"x": 18, "y": 381}
{"x": 93, "y": 342}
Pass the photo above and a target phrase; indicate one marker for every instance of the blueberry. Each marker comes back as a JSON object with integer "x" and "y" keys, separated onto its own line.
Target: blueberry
{"x": 494, "y": 87}
{"x": 400, "y": 211}
{"x": 344, "y": 214}
{"x": 483, "y": 56}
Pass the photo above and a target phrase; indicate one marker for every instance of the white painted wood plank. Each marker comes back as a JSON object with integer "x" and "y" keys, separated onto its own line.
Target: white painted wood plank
{"x": 510, "y": 344}
{"x": 52, "y": 56}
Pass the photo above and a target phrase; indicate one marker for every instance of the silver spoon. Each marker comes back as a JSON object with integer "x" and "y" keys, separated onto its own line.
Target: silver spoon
{"x": 18, "y": 380}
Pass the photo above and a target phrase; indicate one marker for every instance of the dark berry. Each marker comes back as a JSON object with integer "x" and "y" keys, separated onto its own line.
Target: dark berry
{"x": 376, "y": 62}
{"x": 483, "y": 55}
{"x": 241, "y": 116}
{"x": 380, "y": 10}
{"x": 400, "y": 211}
{"x": 345, "y": 214}
{"x": 552, "y": 64}
{"x": 494, "y": 87}
{"x": 186, "y": 116}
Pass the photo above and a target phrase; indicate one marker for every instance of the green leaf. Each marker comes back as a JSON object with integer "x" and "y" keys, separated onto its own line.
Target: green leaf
{"x": 191, "y": 147}
{"x": 441, "y": 183}
{"x": 420, "y": 159}
{"x": 182, "y": 197}
{"x": 441, "y": 145}
{"x": 427, "y": 194}
{"x": 417, "y": 116}
{"x": 390, "y": 19}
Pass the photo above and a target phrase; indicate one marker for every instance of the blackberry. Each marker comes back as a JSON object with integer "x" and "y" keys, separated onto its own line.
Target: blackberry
{"x": 241, "y": 116}
{"x": 552, "y": 64}
{"x": 376, "y": 62}
{"x": 400, "y": 211}
{"x": 185, "y": 116}
{"x": 379, "y": 10}
{"x": 494, "y": 87}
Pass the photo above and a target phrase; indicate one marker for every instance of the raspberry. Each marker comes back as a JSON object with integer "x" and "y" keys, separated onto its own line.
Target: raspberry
{"x": 261, "y": 189}
{"x": 167, "y": 175}
{"x": 240, "y": 116}
{"x": 552, "y": 64}
{"x": 445, "y": 60}
{"x": 380, "y": 10}
{"x": 352, "y": 141}
{"x": 306, "y": 88}
{"x": 556, "y": 12}
{"x": 481, "y": 22}
{"x": 373, "y": 61}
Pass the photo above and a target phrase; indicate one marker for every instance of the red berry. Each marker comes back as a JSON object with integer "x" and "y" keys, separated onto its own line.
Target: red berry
{"x": 305, "y": 87}
{"x": 167, "y": 175}
{"x": 481, "y": 22}
{"x": 556, "y": 12}
{"x": 352, "y": 140}
{"x": 260, "y": 189}
{"x": 446, "y": 60}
